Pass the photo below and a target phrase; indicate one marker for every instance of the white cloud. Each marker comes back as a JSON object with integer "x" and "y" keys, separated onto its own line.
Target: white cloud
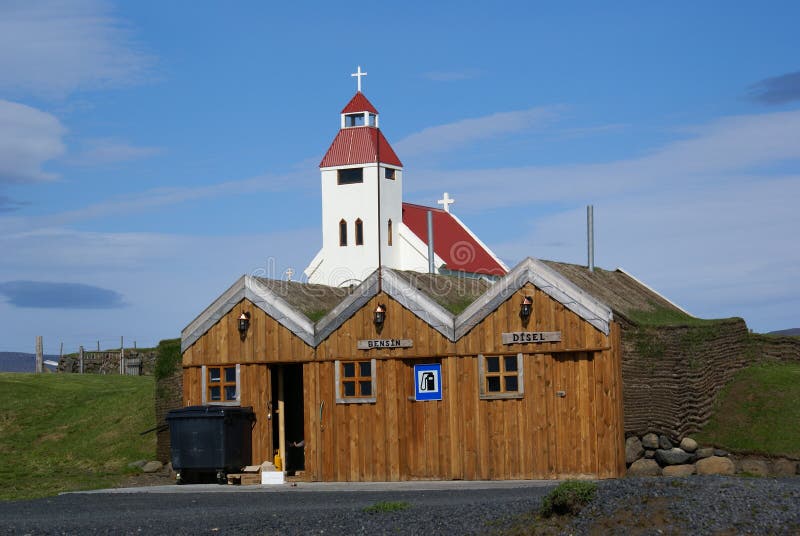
{"x": 98, "y": 152}
{"x": 466, "y": 131}
{"x": 720, "y": 153}
{"x": 53, "y": 47}
{"x": 28, "y": 139}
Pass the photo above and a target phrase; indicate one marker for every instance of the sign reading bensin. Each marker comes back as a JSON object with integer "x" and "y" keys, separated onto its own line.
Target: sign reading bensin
{"x": 369, "y": 344}
{"x": 524, "y": 337}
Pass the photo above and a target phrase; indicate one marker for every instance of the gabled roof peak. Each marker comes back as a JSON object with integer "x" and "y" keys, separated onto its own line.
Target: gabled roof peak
{"x": 359, "y": 103}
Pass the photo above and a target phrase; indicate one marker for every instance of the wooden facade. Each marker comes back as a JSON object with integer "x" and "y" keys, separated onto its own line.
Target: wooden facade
{"x": 567, "y": 420}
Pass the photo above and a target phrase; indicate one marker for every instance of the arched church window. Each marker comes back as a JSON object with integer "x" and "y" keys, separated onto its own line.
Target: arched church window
{"x": 389, "y": 232}
{"x": 359, "y": 232}
{"x": 342, "y": 233}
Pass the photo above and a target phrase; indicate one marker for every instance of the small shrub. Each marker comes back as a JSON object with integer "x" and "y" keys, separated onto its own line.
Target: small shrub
{"x": 568, "y": 498}
{"x": 387, "y": 506}
{"x": 168, "y": 358}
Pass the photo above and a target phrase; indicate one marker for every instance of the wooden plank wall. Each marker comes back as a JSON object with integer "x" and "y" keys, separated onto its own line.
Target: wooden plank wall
{"x": 460, "y": 437}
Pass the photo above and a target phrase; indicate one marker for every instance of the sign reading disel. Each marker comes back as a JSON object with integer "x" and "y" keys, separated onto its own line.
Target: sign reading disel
{"x": 369, "y": 344}
{"x": 522, "y": 337}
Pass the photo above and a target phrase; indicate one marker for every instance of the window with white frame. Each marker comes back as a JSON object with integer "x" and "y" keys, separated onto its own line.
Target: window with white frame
{"x": 501, "y": 376}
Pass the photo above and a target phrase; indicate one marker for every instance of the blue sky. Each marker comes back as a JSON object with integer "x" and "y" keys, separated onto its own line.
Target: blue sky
{"x": 152, "y": 152}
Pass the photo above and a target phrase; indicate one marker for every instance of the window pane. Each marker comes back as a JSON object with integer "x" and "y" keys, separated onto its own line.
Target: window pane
{"x": 366, "y": 388}
{"x": 512, "y": 384}
{"x": 366, "y": 368}
{"x": 230, "y": 374}
{"x": 213, "y": 374}
{"x": 350, "y": 176}
{"x": 492, "y": 364}
{"x": 215, "y": 393}
{"x": 230, "y": 392}
{"x": 493, "y": 384}
{"x": 349, "y": 388}
{"x": 511, "y": 363}
{"x": 349, "y": 369}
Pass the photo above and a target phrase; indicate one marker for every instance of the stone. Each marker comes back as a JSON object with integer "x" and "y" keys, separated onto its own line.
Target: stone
{"x": 784, "y": 467}
{"x": 633, "y": 449}
{"x": 138, "y": 464}
{"x": 721, "y": 453}
{"x": 688, "y": 444}
{"x": 649, "y": 454}
{"x": 644, "y": 467}
{"x": 650, "y": 441}
{"x": 152, "y": 467}
{"x": 715, "y": 465}
{"x": 706, "y": 452}
{"x": 754, "y": 466}
{"x": 679, "y": 470}
{"x": 674, "y": 456}
{"x": 664, "y": 442}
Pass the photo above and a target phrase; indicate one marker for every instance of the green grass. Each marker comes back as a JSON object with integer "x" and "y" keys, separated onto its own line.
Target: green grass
{"x": 63, "y": 432}
{"x": 387, "y": 506}
{"x": 168, "y": 358}
{"x": 568, "y": 498}
{"x": 758, "y": 412}
{"x": 661, "y": 316}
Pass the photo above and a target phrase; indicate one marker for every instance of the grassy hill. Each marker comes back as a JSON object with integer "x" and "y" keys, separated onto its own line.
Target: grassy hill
{"x": 61, "y": 432}
{"x": 758, "y": 412}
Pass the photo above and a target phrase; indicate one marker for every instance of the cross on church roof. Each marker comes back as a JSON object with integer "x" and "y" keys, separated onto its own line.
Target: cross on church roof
{"x": 446, "y": 201}
{"x": 359, "y": 74}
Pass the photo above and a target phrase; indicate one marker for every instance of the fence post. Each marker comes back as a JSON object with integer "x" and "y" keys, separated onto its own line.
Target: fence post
{"x": 122, "y": 356}
{"x": 39, "y": 354}
{"x": 80, "y": 358}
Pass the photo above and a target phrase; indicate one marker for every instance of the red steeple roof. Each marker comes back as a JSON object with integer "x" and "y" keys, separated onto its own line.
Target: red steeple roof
{"x": 359, "y": 145}
{"x": 452, "y": 241}
{"x": 359, "y": 103}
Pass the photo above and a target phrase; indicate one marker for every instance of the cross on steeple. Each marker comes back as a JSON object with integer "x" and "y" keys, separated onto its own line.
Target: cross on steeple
{"x": 359, "y": 74}
{"x": 446, "y": 201}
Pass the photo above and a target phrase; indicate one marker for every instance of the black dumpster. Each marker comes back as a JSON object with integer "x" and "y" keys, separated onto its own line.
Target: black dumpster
{"x": 210, "y": 439}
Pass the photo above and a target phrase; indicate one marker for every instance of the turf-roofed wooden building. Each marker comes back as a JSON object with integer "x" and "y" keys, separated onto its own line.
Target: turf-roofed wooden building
{"x": 418, "y": 376}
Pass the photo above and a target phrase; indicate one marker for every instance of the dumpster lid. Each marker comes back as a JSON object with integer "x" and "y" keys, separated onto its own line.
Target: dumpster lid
{"x": 210, "y": 411}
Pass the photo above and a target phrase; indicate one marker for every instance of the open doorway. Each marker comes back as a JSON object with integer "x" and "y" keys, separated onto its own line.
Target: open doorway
{"x": 287, "y": 429}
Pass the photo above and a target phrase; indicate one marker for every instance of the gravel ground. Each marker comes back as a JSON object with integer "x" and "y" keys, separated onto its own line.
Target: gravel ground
{"x": 694, "y": 505}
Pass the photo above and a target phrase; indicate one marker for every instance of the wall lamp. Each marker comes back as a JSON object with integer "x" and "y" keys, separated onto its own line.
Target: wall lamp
{"x": 526, "y": 307}
{"x": 244, "y": 324}
{"x": 380, "y": 315}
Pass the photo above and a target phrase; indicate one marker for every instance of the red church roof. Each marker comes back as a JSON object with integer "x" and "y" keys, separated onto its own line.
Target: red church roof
{"x": 359, "y": 103}
{"x": 452, "y": 241}
{"x": 359, "y": 145}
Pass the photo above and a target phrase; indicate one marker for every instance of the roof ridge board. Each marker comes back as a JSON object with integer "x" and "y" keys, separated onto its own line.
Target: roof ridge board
{"x": 419, "y": 303}
{"x": 290, "y": 318}
{"x": 346, "y": 308}
{"x": 213, "y": 313}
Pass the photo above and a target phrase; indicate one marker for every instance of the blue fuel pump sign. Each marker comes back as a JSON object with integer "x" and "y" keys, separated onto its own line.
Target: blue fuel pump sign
{"x": 428, "y": 382}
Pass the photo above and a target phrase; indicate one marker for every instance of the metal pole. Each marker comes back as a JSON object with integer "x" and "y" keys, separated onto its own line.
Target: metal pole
{"x": 431, "y": 263}
{"x": 590, "y": 236}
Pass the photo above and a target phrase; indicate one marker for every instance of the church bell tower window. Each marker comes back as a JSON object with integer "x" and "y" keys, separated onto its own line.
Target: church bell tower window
{"x": 342, "y": 233}
{"x": 359, "y": 232}
{"x": 350, "y": 176}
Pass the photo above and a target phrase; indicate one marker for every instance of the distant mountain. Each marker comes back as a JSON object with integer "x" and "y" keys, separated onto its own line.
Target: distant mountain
{"x": 21, "y": 362}
{"x": 795, "y": 332}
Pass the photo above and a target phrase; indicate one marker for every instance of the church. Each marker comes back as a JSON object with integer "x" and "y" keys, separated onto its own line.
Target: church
{"x": 366, "y": 224}
{"x": 411, "y": 351}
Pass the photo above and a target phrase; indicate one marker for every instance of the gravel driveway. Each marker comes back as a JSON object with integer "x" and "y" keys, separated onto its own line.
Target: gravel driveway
{"x": 694, "y": 505}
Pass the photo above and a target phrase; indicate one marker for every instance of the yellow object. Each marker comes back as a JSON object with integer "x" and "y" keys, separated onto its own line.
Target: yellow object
{"x": 277, "y": 462}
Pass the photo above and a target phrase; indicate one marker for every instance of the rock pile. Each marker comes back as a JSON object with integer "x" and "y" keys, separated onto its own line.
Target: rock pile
{"x": 657, "y": 455}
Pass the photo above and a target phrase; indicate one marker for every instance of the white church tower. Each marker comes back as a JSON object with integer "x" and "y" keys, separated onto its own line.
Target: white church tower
{"x": 362, "y": 196}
